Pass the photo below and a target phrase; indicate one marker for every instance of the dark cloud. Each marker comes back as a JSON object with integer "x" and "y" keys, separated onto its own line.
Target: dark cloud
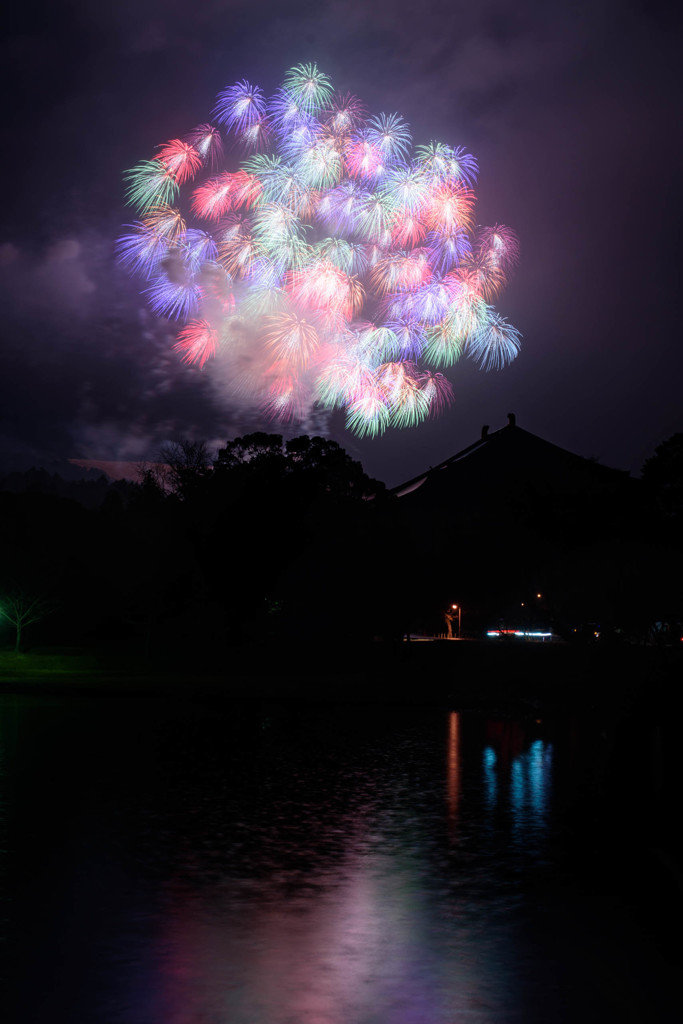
{"x": 90, "y": 371}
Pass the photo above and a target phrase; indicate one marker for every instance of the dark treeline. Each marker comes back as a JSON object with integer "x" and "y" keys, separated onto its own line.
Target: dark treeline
{"x": 90, "y": 491}
{"x": 268, "y": 540}
{"x": 272, "y": 542}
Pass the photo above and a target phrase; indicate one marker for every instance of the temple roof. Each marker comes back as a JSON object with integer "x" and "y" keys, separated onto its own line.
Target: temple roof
{"x": 509, "y": 457}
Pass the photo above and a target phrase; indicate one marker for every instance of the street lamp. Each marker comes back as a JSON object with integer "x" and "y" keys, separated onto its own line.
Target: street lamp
{"x": 458, "y": 609}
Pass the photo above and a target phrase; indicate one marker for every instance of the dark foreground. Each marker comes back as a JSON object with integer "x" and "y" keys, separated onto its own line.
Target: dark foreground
{"x": 493, "y": 845}
{"x": 401, "y": 672}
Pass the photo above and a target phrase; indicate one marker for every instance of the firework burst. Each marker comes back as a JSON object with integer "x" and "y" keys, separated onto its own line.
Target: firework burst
{"x": 353, "y": 266}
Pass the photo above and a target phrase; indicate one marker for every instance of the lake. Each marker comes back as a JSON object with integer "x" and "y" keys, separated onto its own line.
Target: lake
{"x": 207, "y": 862}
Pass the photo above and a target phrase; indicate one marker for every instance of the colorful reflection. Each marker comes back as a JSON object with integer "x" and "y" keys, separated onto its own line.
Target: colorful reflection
{"x": 517, "y": 777}
{"x": 489, "y": 760}
{"x": 387, "y": 877}
{"x": 530, "y": 785}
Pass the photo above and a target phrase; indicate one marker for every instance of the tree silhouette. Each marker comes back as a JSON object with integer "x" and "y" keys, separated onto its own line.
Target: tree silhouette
{"x": 662, "y": 473}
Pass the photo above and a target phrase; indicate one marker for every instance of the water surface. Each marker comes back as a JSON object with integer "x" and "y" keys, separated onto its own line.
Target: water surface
{"x": 194, "y": 864}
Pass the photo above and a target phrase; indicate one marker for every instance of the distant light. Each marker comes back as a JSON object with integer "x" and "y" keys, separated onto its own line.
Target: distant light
{"x": 534, "y": 633}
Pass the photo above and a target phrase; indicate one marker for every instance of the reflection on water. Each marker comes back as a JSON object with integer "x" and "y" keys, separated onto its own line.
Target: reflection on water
{"x": 299, "y": 867}
{"x": 453, "y": 767}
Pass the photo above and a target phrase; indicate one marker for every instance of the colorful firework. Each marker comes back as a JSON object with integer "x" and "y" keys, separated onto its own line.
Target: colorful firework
{"x": 355, "y": 270}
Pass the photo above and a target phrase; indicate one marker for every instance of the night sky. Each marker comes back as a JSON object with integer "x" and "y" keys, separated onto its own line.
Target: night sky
{"x": 573, "y": 111}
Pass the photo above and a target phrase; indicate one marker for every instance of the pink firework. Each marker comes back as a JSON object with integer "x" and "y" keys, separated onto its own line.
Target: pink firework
{"x": 197, "y": 342}
{"x": 181, "y": 160}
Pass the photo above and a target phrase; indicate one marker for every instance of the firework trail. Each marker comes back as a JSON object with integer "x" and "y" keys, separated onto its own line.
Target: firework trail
{"x": 353, "y": 271}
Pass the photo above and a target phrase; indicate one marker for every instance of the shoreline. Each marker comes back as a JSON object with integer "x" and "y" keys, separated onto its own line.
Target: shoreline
{"x": 469, "y": 673}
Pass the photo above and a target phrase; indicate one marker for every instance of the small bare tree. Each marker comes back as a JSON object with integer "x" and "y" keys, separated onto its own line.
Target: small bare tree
{"x": 183, "y": 465}
{"x": 21, "y": 608}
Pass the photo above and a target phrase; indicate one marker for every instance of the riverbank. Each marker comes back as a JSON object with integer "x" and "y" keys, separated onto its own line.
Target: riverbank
{"x": 467, "y": 673}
